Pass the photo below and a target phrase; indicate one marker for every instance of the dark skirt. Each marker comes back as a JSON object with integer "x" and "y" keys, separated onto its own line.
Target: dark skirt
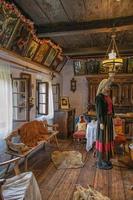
{"x": 104, "y": 140}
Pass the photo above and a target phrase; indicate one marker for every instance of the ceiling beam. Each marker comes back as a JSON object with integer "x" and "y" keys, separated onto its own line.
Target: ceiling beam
{"x": 96, "y": 52}
{"x": 74, "y": 28}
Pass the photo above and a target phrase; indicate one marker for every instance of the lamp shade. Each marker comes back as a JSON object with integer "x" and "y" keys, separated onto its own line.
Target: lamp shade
{"x": 114, "y": 61}
{"x": 113, "y": 64}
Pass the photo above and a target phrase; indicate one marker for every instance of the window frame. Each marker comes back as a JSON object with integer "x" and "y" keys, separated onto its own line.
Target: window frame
{"x": 46, "y": 98}
{"x": 26, "y": 98}
{"x": 57, "y": 94}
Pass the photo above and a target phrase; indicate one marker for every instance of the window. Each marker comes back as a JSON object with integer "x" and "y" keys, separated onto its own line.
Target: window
{"x": 20, "y": 100}
{"x": 56, "y": 95}
{"x": 42, "y": 97}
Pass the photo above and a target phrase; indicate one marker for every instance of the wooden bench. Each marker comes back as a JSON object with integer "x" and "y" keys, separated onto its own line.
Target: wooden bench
{"x": 23, "y": 151}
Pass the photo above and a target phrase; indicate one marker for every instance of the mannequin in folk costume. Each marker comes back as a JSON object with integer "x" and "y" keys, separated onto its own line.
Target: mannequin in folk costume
{"x": 104, "y": 135}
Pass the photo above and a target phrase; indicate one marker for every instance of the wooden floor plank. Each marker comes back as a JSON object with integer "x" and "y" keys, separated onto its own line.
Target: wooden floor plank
{"x": 105, "y": 190}
{"x": 117, "y": 191}
{"x": 66, "y": 186}
{"x": 46, "y": 176}
{"x": 101, "y": 181}
{"x": 60, "y": 184}
{"x": 87, "y": 173}
{"x": 47, "y": 188}
{"x": 50, "y": 176}
{"x": 127, "y": 176}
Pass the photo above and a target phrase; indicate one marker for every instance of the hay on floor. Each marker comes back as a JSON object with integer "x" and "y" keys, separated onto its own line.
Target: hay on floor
{"x": 67, "y": 159}
{"x": 88, "y": 194}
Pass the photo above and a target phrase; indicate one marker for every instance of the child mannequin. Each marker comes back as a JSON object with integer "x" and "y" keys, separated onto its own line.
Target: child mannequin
{"x": 81, "y": 125}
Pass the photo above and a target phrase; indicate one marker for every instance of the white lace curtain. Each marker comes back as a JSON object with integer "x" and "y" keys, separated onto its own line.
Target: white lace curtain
{"x": 51, "y": 104}
{"x": 5, "y": 100}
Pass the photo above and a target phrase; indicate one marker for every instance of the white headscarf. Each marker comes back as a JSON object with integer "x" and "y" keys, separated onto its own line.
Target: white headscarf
{"x": 105, "y": 82}
{"x": 102, "y": 85}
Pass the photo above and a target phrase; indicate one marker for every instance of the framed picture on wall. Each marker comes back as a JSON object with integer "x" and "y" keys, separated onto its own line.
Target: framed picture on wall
{"x": 79, "y": 67}
{"x": 55, "y": 63}
{"x": 64, "y": 103}
{"x": 41, "y": 52}
{"x": 32, "y": 48}
{"x": 92, "y": 66}
{"x": 124, "y": 67}
{"x": 130, "y": 65}
{"x": 103, "y": 70}
{"x": 61, "y": 64}
{"x": 8, "y": 23}
{"x": 20, "y": 39}
{"x": 50, "y": 57}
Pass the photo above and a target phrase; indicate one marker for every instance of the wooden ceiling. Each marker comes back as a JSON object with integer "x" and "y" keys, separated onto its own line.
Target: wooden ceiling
{"x": 82, "y": 27}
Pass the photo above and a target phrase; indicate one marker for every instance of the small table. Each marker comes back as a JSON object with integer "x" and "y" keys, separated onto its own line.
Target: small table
{"x": 91, "y": 134}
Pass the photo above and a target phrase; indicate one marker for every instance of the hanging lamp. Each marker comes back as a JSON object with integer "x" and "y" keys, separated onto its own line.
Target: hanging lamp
{"x": 112, "y": 61}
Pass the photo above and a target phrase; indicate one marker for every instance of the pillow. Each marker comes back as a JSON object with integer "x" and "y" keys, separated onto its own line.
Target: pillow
{"x": 18, "y": 147}
{"x": 81, "y": 126}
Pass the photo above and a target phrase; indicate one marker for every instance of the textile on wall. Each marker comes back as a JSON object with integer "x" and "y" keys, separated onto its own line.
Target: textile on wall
{"x": 6, "y": 110}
